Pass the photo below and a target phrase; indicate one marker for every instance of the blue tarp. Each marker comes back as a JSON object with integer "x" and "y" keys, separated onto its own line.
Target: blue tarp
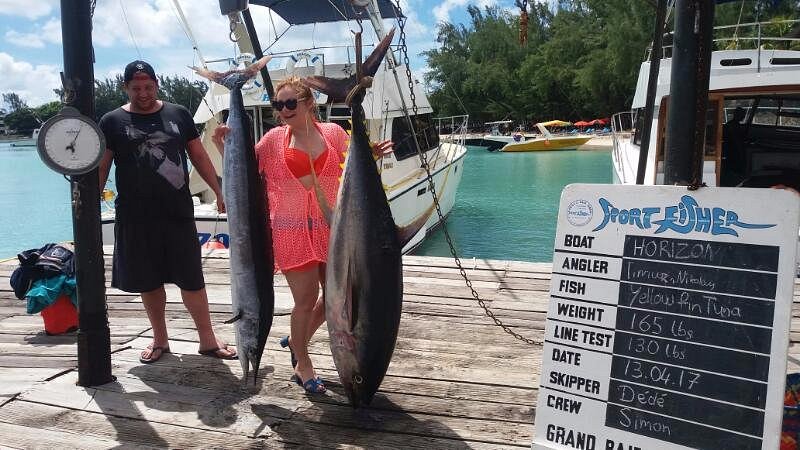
{"x": 299, "y": 12}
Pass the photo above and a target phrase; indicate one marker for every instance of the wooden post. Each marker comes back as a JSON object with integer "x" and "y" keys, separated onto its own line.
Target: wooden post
{"x": 94, "y": 341}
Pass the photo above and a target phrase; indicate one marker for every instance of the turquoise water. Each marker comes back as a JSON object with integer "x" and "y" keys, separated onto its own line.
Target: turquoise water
{"x": 507, "y": 203}
{"x": 34, "y": 202}
{"x": 505, "y": 209}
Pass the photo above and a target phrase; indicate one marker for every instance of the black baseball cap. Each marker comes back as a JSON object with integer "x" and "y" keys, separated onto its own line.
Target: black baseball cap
{"x": 136, "y": 67}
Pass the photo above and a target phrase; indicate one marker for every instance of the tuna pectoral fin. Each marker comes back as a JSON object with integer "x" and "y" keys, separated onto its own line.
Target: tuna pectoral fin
{"x": 350, "y": 301}
{"x": 234, "y": 318}
{"x": 337, "y": 88}
{"x": 340, "y": 88}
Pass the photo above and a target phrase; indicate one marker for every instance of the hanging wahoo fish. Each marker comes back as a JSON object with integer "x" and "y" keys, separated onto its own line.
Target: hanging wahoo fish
{"x": 364, "y": 280}
{"x": 251, "y": 257}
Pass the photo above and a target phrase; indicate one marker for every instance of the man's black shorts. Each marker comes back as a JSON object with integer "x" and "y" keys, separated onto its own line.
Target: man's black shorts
{"x": 148, "y": 255}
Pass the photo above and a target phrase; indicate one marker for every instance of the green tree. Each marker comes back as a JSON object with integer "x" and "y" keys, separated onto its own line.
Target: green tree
{"x": 22, "y": 121}
{"x": 182, "y": 91}
{"x": 47, "y": 110}
{"x": 14, "y": 101}
{"x": 581, "y": 62}
{"x": 108, "y": 95}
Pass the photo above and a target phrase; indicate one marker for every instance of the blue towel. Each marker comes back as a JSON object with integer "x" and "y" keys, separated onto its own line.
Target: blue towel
{"x": 46, "y": 291}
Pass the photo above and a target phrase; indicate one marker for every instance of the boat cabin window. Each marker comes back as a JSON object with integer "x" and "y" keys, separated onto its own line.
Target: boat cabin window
{"x": 767, "y": 112}
{"x": 403, "y": 138}
{"x": 340, "y": 116}
{"x": 762, "y": 144}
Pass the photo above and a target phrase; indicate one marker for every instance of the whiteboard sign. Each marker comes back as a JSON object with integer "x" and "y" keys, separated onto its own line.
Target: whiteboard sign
{"x": 668, "y": 321}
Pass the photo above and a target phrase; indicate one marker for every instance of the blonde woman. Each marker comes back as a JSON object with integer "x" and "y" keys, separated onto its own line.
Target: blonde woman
{"x": 302, "y": 162}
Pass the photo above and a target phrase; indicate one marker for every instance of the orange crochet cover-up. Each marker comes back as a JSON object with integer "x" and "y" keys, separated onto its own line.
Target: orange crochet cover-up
{"x": 299, "y": 232}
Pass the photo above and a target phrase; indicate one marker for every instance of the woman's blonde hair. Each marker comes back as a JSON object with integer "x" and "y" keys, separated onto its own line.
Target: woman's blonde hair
{"x": 304, "y": 93}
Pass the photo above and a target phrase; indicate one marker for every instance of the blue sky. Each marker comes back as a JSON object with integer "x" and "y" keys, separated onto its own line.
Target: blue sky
{"x": 124, "y": 30}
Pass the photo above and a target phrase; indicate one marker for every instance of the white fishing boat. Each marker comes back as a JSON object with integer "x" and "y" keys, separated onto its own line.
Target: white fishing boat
{"x": 389, "y": 106}
{"x": 30, "y": 142}
{"x": 752, "y": 135}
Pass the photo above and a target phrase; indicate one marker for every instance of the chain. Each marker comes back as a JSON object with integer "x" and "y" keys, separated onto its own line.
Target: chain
{"x": 233, "y": 21}
{"x": 91, "y": 8}
{"x": 432, "y": 190}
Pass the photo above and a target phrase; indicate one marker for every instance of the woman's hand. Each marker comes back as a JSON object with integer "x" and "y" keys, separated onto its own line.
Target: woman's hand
{"x": 220, "y": 203}
{"x": 218, "y": 138}
{"x": 382, "y": 149}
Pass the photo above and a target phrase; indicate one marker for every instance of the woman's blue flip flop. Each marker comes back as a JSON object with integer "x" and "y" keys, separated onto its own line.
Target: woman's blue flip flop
{"x": 285, "y": 344}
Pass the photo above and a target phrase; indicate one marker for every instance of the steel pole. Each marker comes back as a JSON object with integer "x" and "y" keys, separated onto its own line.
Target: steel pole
{"x": 94, "y": 338}
{"x": 258, "y": 53}
{"x": 691, "y": 67}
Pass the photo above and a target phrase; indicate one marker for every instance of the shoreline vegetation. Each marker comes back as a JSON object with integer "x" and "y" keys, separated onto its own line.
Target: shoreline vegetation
{"x": 567, "y": 60}
{"x": 580, "y": 58}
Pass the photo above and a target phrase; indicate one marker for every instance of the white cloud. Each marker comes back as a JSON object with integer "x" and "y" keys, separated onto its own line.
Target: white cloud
{"x": 442, "y": 12}
{"x": 27, "y": 8}
{"x": 148, "y": 24}
{"x": 31, "y": 40}
{"x": 50, "y": 32}
{"x": 34, "y": 84}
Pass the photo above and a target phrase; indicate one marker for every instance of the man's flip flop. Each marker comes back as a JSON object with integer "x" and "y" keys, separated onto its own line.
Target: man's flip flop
{"x": 214, "y": 352}
{"x": 153, "y": 355}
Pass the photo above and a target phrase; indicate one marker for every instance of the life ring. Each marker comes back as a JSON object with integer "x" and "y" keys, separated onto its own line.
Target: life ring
{"x": 315, "y": 60}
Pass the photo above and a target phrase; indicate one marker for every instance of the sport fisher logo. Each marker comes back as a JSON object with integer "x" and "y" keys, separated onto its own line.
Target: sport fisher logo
{"x": 683, "y": 218}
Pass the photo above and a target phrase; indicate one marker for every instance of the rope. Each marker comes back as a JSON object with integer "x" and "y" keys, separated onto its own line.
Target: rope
{"x": 130, "y": 31}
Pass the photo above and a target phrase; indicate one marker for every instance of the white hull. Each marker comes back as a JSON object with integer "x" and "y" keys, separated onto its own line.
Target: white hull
{"x": 770, "y": 74}
{"x": 408, "y": 201}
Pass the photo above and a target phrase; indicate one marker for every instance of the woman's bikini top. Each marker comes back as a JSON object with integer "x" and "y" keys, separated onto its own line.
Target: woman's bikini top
{"x": 299, "y": 162}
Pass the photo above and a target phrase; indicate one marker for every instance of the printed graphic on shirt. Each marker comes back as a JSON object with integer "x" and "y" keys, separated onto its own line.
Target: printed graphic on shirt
{"x": 150, "y": 154}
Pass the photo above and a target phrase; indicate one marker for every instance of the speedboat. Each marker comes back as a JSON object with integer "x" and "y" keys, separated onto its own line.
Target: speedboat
{"x": 752, "y": 135}
{"x": 390, "y": 109}
{"x": 546, "y": 141}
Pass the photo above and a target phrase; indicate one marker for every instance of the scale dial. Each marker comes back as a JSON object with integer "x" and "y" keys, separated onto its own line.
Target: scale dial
{"x": 71, "y": 143}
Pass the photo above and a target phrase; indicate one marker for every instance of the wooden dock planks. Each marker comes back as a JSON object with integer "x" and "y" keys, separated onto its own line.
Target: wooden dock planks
{"x": 456, "y": 379}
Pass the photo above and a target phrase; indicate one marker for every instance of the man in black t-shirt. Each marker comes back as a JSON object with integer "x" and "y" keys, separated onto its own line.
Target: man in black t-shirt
{"x": 155, "y": 238}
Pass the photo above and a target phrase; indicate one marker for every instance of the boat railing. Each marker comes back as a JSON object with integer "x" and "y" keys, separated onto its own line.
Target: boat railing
{"x": 453, "y": 129}
{"x": 760, "y": 36}
{"x": 621, "y": 130}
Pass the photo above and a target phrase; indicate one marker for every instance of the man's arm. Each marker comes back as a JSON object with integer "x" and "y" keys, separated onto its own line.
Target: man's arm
{"x": 104, "y": 168}
{"x": 201, "y": 162}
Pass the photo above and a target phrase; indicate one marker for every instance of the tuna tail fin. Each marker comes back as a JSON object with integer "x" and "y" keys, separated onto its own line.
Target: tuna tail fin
{"x": 342, "y": 88}
{"x": 233, "y": 79}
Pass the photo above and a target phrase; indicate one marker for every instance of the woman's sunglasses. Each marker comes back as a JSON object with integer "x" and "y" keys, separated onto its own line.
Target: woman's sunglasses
{"x": 290, "y": 104}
